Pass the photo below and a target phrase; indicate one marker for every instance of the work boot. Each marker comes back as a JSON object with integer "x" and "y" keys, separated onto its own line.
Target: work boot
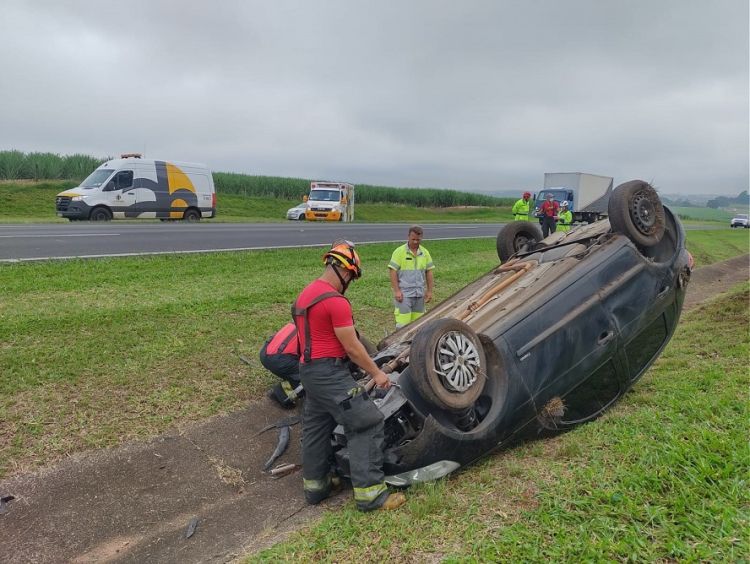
{"x": 280, "y": 396}
{"x": 393, "y": 501}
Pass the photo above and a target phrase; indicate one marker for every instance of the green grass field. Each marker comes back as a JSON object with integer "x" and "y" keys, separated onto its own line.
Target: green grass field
{"x": 97, "y": 352}
{"x": 100, "y": 352}
{"x": 662, "y": 477}
{"x": 34, "y": 202}
{"x": 703, "y": 214}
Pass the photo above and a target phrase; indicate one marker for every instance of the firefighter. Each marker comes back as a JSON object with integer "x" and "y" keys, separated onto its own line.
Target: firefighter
{"x": 326, "y": 336}
{"x": 521, "y": 208}
{"x": 412, "y": 281}
{"x": 565, "y": 217}
{"x": 279, "y": 355}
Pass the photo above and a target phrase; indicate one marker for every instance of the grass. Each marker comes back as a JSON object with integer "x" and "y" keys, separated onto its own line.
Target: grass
{"x": 662, "y": 477}
{"x": 716, "y": 245}
{"x": 98, "y": 352}
{"x": 25, "y": 202}
{"x": 703, "y": 214}
{"x": 95, "y": 353}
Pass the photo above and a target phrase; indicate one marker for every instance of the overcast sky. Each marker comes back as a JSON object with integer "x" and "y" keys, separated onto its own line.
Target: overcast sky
{"x": 474, "y": 95}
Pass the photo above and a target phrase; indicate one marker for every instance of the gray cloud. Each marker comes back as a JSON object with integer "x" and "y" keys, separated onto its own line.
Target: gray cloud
{"x": 481, "y": 95}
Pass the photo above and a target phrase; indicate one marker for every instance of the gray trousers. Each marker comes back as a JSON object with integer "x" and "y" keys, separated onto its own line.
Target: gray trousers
{"x": 333, "y": 397}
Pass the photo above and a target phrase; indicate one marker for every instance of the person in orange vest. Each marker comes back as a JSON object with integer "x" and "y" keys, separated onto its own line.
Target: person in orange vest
{"x": 280, "y": 356}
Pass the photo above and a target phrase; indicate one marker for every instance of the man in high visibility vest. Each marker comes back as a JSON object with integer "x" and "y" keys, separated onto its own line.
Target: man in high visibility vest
{"x": 521, "y": 208}
{"x": 564, "y": 217}
{"x": 412, "y": 282}
{"x": 327, "y": 340}
{"x": 280, "y": 356}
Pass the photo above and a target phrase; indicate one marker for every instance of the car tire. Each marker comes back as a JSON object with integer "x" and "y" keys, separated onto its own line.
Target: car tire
{"x": 517, "y": 236}
{"x": 636, "y": 211}
{"x": 100, "y": 214}
{"x": 191, "y": 215}
{"x": 453, "y": 385}
{"x": 301, "y": 217}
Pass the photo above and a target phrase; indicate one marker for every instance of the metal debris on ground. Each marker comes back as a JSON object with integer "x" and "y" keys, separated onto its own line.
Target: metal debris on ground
{"x": 281, "y": 445}
{"x": 284, "y": 470}
{"x": 285, "y": 422}
{"x": 192, "y": 525}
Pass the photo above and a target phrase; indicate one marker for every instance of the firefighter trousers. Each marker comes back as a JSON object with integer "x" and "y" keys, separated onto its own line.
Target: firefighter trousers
{"x": 333, "y": 397}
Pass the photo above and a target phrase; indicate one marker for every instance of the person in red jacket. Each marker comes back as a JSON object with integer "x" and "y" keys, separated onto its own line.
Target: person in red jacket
{"x": 549, "y": 211}
{"x": 279, "y": 355}
{"x": 327, "y": 341}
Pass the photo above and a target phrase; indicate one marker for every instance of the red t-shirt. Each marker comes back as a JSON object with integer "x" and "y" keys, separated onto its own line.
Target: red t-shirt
{"x": 322, "y": 318}
{"x": 550, "y": 208}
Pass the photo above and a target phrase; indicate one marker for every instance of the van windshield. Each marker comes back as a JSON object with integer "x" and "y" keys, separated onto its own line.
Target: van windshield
{"x": 324, "y": 195}
{"x": 96, "y": 179}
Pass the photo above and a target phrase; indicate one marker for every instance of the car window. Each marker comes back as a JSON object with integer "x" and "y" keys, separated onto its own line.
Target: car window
{"x": 124, "y": 179}
{"x": 644, "y": 346}
{"x": 593, "y": 395}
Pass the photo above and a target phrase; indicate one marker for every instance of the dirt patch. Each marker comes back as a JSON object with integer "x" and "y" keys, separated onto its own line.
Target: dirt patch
{"x": 134, "y": 503}
{"x": 714, "y": 279}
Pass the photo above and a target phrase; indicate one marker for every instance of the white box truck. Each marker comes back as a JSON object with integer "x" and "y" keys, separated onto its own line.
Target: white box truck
{"x": 587, "y": 194}
{"x": 330, "y": 201}
{"x": 133, "y": 187}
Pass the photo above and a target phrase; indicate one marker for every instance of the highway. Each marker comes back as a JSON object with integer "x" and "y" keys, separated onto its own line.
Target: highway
{"x": 27, "y": 242}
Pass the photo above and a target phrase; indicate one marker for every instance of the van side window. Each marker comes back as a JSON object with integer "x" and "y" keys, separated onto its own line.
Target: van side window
{"x": 124, "y": 179}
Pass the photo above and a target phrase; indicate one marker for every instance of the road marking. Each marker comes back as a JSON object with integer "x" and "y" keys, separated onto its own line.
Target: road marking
{"x": 61, "y": 235}
{"x": 195, "y": 251}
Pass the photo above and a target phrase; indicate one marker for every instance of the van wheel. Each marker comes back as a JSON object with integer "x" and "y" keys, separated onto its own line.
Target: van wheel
{"x": 636, "y": 211}
{"x": 517, "y": 237}
{"x": 100, "y": 214}
{"x": 447, "y": 364}
{"x": 191, "y": 215}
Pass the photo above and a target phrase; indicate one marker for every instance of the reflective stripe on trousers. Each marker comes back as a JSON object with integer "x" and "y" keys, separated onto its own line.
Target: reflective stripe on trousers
{"x": 408, "y": 310}
{"x": 333, "y": 397}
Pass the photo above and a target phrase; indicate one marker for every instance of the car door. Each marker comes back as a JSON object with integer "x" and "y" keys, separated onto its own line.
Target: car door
{"x": 567, "y": 350}
{"x": 120, "y": 192}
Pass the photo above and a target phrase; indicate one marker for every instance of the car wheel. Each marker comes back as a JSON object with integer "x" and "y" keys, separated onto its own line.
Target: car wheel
{"x": 191, "y": 215}
{"x": 515, "y": 237}
{"x": 301, "y": 217}
{"x": 636, "y": 211}
{"x": 100, "y": 214}
{"x": 447, "y": 364}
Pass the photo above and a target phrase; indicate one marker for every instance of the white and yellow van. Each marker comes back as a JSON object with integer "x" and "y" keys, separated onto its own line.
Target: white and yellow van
{"x": 133, "y": 187}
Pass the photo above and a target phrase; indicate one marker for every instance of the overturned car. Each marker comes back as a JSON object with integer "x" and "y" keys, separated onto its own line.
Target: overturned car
{"x": 549, "y": 339}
